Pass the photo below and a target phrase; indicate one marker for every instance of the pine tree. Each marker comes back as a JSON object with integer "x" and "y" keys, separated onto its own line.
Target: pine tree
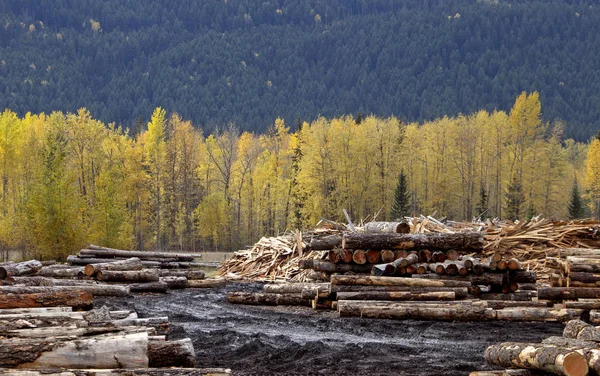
{"x": 401, "y": 205}
{"x": 482, "y": 205}
{"x": 514, "y": 199}
{"x": 576, "y": 205}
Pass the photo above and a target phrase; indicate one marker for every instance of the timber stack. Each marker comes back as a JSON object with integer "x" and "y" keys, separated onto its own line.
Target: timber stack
{"x": 577, "y": 352}
{"x": 60, "y": 341}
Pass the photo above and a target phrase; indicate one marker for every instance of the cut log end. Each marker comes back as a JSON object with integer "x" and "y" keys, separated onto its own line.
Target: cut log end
{"x": 575, "y": 365}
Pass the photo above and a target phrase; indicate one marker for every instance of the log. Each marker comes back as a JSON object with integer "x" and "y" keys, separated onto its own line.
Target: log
{"x": 398, "y": 295}
{"x": 266, "y": 299}
{"x": 569, "y": 342}
{"x": 359, "y": 257}
{"x": 330, "y": 267}
{"x": 594, "y": 316}
{"x": 352, "y": 308}
{"x": 315, "y": 293}
{"x": 189, "y": 274}
{"x": 333, "y": 256}
{"x": 464, "y": 241}
{"x": 438, "y": 257}
{"x": 206, "y": 283}
{"x": 387, "y": 256}
{"x": 159, "y": 324}
{"x": 584, "y": 268}
{"x": 472, "y": 312}
{"x": 583, "y": 304}
{"x": 171, "y": 353}
{"x": 21, "y": 268}
{"x": 452, "y": 255}
{"x": 591, "y": 355}
{"x": 374, "y": 256}
{"x": 538, "y": 314}
{"x": 487, "y": 279}
{"x": 116, "y": 351}
{"x": 581, "y": 330}
{"x": 537, "y": 356}
{"x": 61, "y": 272}
{"x": 175, "y": 282}
{"x": 502, "y": 265}
{"x": 128, "y": 264}
{"x": 522, "y": 276}
{"x": 334, "y": 289}
{"x": 567, "y": 293}
{"x": 394, "y": 281}
{"x": 387, "y": 228}
{"x": 96, "y": 290}
{"x": 143, "y": 275}
{"x": 122, "y": 372}
{"x": 514, "y": 264}
{"x": 509, "y": 372}
{"x": 67, "y": 282}
{"x": 291, "y": 288}
{"x": 526, "y": 286}
{"x": 500, "y": 304}
{"x": 75, "y": 299}
{"x": 34, "y": 310}
{"x": 27, "y": 281}
{"x": 384, "y": 269}
{"x": 68, "y": 332}
{"x": 158, "y": 286}
{"x": 76, "y": 260}
{"x": 424, "y": 255}
{"x": 515, "y": 296}
{"x": 584, "y": 277}
{"x": 110, "y": 252}
{"x": 325, "y": 243}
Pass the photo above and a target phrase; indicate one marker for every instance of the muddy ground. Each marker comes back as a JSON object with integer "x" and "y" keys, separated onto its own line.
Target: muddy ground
{"x": 254, "y": 340}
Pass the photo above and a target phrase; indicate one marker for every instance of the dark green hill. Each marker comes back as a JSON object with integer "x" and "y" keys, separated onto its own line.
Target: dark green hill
{"x": 247, "y": 62}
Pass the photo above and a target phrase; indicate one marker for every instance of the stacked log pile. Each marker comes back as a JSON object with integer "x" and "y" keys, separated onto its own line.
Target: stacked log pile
{"x": 100, "y": 272}
{"x": 577, "y": 352}
{"x": 60, "y": 341}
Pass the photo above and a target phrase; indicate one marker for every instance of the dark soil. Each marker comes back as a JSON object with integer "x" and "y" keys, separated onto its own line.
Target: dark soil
{"x": 253, "y": 340}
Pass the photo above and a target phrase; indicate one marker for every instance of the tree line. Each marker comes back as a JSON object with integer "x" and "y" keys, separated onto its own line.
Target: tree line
{"x": 68, "y": 179}
{"x": 248, "y": 62}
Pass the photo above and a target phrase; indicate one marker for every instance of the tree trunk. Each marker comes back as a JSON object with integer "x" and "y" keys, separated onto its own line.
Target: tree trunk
{"x": 325, "y": 243}
{"x": 486, "y": 279}
{"x": 568, "y": 342}
{"x": 583, "y": 304}
{"x": 463, "y": 241}
{"x": 330, "y": 267}
{"x": 394, "y": 281}
{"x": 537, "y": 356}
{"x": 508, "y": 372}
{"x": 266, "y": 299}
{"x": 160, "y": 324}
{"x": 581, "y": 330}
{"x": 74, "y": 299}
{"x": 34, "y": 310}
{"x": 522, "y": 276}
{"x": 69, "y": 331}
{"x": 291, "y": 288}
{"x": 175, "y": 282}
{"x": 189, "y": 274}
{"x": 500, "y": 304}
{"x": 157, "y": 286}
{"x": 171, "y": 353}
{"x": 398, "y": 295}
{"x": 96, "y": 290}
{"x": 473, "y": 312}
{"x": 374, "y": 256}
{"x": 538, "y": 314}
{"x": 352, "y": 308}
{"x": 21, "y": 268}
{"x": 568, "y": 293}
{"x": 206, "y": 283}
{"x": 387, "y": 228}
{"x": 109, "y": 252}
{"x": 515, "y": 296}
{"x": 118, "y": 351}
{"x": 359, "y": 257}
{"x": 61, "y": 272}
{"x": 128, "y": 264}
{"x": 143, "y": 275}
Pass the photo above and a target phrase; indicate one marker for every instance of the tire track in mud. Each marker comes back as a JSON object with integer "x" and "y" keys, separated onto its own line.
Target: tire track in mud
{"x": 255, "y": 340}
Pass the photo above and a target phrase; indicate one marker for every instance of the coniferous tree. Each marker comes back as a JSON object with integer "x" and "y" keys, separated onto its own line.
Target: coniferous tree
{"x": 514, "y": 199}
{"x": 576, "y": 205}
{"x": 482, "y": 206}
{"x": 401, "y": 205}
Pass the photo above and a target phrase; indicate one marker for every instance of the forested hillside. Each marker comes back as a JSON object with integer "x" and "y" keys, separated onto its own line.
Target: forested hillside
{"x": 245, "y": 62}
{"x": 67, "y": 180}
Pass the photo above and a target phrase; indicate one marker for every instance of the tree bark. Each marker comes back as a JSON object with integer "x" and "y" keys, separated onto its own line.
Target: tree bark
{"x": 122, "y": 372}
{"x": 266, "y": 299}
{"x": 171, "y": 353}
{"x": 515, "y": 296}
{"x": 189, "y": 274}
{"x": 68, "y": 332}
{"x": 325, "y": 243}
{"x": 109, "y": 252}
{"x": 175, "y": 282}
{"x": 74, "y": 299}
{"x": 387, "y": 228}
{"x": 359, "y": 257}
{"x": 583, "y": 304}
{"x": 487, "y": 279}
{"x": 374, "y": 256}
{"x": 581, "y": 330}
{"x": 449, "y": 313}
{"x": 97, "y": 290}
{"x": 291, "y": 288}
{"x": 568, "y": 293}
{"x": 398, "y": 295}
{"x": 537, "y": 356}
{"x": 352, "y": 308}
{"x": 463, "y": 241}
{"x": 500, "y": 304}
{"x": 330, "y": 267}
{"x": 394, "y": 281}
{"x": 157, "y": 286}
{"x": 128, "y": 264}
{"x": 61, "y": 272}
{"x": 118, "y": 351}
{"x": 538, "y": 314}
{"x": 21, "y": 268}
{"x": 143, "y": 275}
{"x": 206, "y": 283}
{"x": 522, "y": 276}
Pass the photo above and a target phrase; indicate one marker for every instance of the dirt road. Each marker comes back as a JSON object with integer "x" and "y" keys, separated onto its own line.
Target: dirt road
{"x": 299, "y": 341}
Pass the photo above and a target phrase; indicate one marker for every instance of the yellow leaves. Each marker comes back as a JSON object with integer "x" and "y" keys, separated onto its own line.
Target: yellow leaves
{"x": 592, "y": 168}
{"x": 525, "y": 118}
